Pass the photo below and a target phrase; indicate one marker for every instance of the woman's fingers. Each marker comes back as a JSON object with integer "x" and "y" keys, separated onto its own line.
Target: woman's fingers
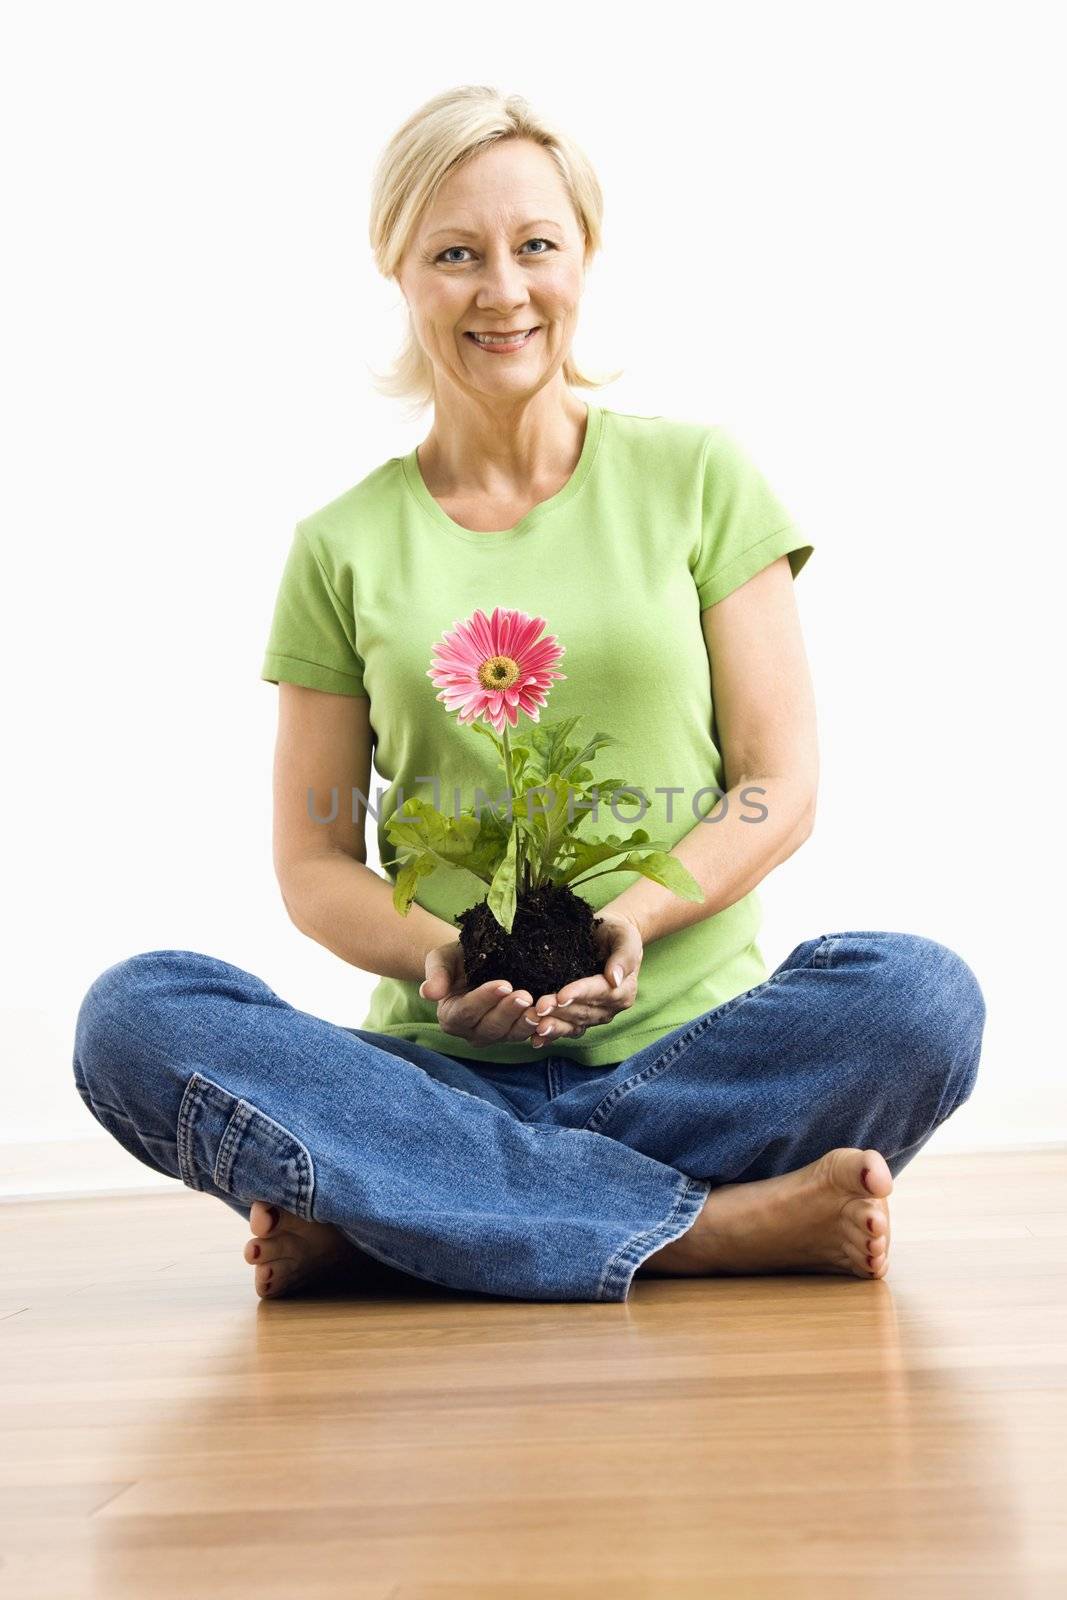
{"x": 624, "y": 995}
{"x": 466, "y": 1015}
{"x": 490, "y": 1014}
{"x": 620, "y": 945}
{"x": 516, "y": 1008}
{"x": 569, "y": 1024}
{"x": 597, "y": 995}
{"x": 591, "y": 1003}
{"x": 444, "y": 972}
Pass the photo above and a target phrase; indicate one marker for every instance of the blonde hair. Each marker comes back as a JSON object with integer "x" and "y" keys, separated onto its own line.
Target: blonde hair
{"x": 439, "y": 137}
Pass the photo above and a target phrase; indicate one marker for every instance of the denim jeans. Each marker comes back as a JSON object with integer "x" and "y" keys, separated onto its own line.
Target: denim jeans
{"x": 543, "y": 1180}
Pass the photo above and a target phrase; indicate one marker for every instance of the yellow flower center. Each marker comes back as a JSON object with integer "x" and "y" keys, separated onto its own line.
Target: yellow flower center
{"x": 499, "y": 672}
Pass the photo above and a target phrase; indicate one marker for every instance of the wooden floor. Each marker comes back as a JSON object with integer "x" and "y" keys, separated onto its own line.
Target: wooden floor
{"x": 167, "y": 1434}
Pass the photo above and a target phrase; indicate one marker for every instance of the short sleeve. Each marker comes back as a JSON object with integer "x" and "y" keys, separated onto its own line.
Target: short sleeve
{"x": 313, "y": 635}
{"x": 744, "y": 526}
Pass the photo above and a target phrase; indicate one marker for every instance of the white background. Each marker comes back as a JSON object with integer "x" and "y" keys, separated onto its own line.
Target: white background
{"x": 832, "y": 228}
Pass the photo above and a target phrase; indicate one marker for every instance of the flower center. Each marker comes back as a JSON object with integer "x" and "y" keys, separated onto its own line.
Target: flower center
{"x": 499, "y": 672}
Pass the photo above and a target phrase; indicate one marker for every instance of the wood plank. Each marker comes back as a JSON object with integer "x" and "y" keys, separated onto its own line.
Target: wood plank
{"x": 161, "y": 1428}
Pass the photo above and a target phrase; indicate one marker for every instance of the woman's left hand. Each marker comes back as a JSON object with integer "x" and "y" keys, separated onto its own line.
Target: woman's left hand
{"x": 589, "y": 1001}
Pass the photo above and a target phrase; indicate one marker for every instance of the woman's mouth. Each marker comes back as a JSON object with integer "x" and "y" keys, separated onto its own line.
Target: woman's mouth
{"x": 502, "y": 343}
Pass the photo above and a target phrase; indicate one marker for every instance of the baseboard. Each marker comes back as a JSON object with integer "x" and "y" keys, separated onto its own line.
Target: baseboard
{"x": 63, "y": 1169}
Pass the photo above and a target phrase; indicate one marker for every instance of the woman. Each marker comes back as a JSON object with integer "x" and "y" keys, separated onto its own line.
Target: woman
{"x": 693, "y": 1114}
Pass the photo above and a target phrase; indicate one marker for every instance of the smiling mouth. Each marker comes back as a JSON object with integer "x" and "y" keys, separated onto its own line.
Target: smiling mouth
{"x": 514, "y": 340}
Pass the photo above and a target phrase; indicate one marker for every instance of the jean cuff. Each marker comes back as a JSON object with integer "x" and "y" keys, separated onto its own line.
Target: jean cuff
{"x": 689, "y": 1200}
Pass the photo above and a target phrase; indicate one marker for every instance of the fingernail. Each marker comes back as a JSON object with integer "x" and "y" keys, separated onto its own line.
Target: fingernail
{"x": 561, "y": 1003}
{"x": 544, "y": 1007}
{"x": 616, "y": 976}
{"x": 505, "y": 988}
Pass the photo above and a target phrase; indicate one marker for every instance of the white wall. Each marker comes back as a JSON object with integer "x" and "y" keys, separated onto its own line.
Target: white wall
{"x": 834, "y": 232}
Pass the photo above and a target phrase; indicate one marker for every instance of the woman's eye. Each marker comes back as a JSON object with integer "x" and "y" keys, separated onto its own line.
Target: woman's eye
{"x": 461, "y": 247}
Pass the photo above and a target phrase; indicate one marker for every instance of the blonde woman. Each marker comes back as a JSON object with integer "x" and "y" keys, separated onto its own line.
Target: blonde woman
{"x": 680, "y": 1110}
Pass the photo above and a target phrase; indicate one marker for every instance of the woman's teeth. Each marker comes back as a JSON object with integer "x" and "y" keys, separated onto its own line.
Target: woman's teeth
{"x": 503, "y": 338}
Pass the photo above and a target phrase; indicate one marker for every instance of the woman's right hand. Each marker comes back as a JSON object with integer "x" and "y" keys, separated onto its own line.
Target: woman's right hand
{"x": 490, "y": 1014}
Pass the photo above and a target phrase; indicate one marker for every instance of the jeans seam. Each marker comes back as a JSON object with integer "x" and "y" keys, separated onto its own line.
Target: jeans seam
{"x": 622, "y": 1265}
{"x": 613, "y": 1098}
{"x": 241, "y": 1117}
{"x": 184, "y": 1130}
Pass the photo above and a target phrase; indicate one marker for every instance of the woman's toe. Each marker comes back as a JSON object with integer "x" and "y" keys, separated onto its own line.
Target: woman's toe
{"x": 856, "y": 1255}
{"x": 264, "y": 1251}
{"x": 868, "y": 1218}
{"x": 272, "y": 1277}
{"x": 263, "y": 1218}
{"x": 867, "y": 1266}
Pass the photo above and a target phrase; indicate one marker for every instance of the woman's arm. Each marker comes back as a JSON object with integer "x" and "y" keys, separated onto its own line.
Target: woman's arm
{"x": 323, "y": 743}
{"x": 765, "y": 712}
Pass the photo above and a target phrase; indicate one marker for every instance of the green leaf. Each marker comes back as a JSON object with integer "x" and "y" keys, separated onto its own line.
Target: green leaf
{"x": 520, "y": 758}
{"x": 549, "y": 739}
{"x": 606, "y": 787}
{"x": 662, "y": 867}
{"x": 450, "y": 840}
{"x": 436, "y": 841}
{"x": 548, "y": 827}
{"x": 477, "y": 726}
{"x": 407, "y": 882}
{"x": 486, "y": 857}
{"x": 586, "y": 853}
{"x": 501, "y": 896}
{"x": 585, "y": 753}
{"x": 494, "y": 826}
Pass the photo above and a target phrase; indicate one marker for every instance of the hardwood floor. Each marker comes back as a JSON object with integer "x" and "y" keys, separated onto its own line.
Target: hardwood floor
{"x": 167, "y": 1434}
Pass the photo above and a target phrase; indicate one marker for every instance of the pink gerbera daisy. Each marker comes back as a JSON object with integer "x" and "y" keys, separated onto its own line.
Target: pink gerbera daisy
{"x": 496, "y": 667}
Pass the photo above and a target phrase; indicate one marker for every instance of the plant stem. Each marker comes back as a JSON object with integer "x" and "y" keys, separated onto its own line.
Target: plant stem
{"x": 605, "y": 874}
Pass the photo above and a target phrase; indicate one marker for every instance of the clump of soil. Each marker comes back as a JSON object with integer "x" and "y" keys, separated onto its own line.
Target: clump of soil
{"x": 550, "y": 943}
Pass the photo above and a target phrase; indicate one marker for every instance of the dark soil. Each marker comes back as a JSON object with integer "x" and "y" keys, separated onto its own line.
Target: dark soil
{"x": 550, "y": 943}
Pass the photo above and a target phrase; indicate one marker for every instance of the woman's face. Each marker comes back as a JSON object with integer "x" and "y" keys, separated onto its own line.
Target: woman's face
{"x": 499, "y": 249}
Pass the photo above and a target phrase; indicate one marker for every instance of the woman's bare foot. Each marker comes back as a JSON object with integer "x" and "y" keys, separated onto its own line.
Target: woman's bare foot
{"x": 291, "y": 1253}
{"x": 830, "y": 1216}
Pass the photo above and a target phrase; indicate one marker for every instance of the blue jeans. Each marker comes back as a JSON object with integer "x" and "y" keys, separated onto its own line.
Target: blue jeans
{"x": 543, "y": 1180}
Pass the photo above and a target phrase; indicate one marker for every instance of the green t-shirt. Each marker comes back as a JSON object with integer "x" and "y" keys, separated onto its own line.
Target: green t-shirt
{"x": 660, "y": 519}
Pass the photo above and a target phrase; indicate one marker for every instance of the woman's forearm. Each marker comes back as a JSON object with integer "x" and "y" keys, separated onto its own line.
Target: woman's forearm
{"x": 346, "y": 906}
{"x": 728, "y": 857}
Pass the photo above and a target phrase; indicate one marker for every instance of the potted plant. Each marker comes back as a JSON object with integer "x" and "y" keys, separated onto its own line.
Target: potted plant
{"x": 530, "y": 927}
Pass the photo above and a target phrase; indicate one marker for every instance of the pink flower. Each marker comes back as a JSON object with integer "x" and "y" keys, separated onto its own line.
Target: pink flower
{"x": 496, "y": 668}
